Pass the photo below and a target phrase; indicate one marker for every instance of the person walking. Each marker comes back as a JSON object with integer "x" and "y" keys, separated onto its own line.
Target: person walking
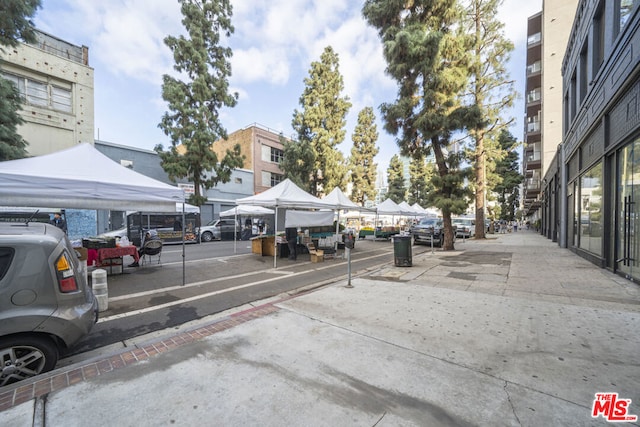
{"x": 291, "y": 234}
{"x": 59, "y": 222}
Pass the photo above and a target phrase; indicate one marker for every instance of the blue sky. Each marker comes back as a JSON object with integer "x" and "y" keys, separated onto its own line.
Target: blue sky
{"x": 274, "y": 43}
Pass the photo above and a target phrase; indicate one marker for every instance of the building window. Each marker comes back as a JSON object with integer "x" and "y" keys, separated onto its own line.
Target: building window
{"x": 590, "y": 227}
{"x": 237, "y": 180}
{"x": 277, "y": 155}
{"x": 533, "y": 124}
{"x": 624, "y": 10}
{"x": 534, "y": 38}
{"x": 534, "y": 95}
{"x": 573, "y": 103}
{"x": 583, "y": 73}
{"x": 598, "y": 39}
{"x": 276, "y": 179}
{"x": 41, "y": 94}
{"x": 534, "y": 68}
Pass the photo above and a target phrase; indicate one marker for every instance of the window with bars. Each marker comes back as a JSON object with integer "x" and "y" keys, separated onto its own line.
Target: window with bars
{"x": 46, "y": 95}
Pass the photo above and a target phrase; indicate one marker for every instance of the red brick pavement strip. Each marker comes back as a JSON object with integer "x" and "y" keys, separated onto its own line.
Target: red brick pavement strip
{"x": 35, "y": 388}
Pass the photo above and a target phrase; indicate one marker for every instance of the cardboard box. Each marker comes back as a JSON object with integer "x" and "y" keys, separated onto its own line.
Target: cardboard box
{"x": 82, "y": 253}
{"x": 317, "y": 256}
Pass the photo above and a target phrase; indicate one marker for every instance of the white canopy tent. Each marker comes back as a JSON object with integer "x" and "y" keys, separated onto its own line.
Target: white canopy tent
{"x": 244, "y": 210}
{"x": 341, "y": 201}
{"x": 407, "y": 209}
{"x": 247, "y": 210}
{"x": 284, "y": 195}
{"x": 83, "y": 178}
{"x": 388, "y": 207}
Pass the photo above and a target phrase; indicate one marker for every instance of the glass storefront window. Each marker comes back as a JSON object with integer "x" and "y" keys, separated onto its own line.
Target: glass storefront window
{"x": 590, "y": 208}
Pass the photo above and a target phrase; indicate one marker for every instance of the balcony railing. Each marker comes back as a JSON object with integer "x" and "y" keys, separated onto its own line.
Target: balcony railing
{"x": 533, "y": 157}
{"x": 533, "y": 96}
{"x": 534, "y": 68}
{"x": 532, "y": 184}
{"x": 533, "y": 126}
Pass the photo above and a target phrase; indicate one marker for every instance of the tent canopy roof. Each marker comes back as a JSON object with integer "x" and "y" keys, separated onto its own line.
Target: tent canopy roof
{"x": 286, "y": 195}
{"x": 247, "y": 210}
{"x": 82, "y": 177}
{"x": 388, "y": 207}
{"x": 341, "y": 201}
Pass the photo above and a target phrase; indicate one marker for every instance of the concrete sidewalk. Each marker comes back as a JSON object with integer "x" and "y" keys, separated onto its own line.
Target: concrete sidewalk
{"x": 505, "y": 332}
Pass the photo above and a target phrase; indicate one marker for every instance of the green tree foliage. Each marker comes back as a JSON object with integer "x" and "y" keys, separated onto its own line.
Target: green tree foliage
{"x": 298, "y": 160}
{"x": 15, "y": 22}
{"x": 427, "y": 54}
{"x": 395, "y": 180}
{"x": 321, "y": 122}
{"x": 193, "y": 122}
{"x": 363, "y": 168}
{"x": 507, "y": 168}
{"x": 420, "y": 181}
{"x": 15, "y": 26}
{"x": 490, "y": 90}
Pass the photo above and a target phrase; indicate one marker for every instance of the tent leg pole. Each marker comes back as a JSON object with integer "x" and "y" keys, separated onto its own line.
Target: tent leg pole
{"x": 184, "y": 279}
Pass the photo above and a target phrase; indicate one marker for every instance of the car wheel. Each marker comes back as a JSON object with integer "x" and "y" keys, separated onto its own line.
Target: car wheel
{"x": 23, "y": 357}
{"x": 207, "y": 236}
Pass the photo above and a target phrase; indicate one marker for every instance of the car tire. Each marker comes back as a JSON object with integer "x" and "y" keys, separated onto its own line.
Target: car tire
{"x": 207, "y": 236}
{"x": 39, "y": 352}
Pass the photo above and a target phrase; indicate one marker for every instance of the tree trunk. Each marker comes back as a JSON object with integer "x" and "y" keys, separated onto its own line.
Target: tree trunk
{"x": 480, "y": 187}
{"x": 443, "y": 170}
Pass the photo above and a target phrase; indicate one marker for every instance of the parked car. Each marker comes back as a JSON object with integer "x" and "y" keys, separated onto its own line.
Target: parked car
{"x": 428, "y": 230}
{"x": 465, "y": 227}
{"x": 46, "y": 305}
{"x": 220, "y": 229}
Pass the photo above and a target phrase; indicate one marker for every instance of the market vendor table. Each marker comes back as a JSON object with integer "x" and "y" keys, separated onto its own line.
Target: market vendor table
{"x": 106, "y": 255}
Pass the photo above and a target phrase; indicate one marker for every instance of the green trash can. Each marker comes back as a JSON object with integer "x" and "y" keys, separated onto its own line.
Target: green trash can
{"x": 402, "y": 251}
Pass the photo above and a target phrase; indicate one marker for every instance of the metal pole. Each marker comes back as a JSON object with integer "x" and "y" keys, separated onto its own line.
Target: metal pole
{"x": 348, "y": 268}
{"x": 184, "y": 279}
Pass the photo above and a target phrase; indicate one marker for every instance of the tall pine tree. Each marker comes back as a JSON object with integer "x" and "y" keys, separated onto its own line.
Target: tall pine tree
{"x": 194, "y": 118}
{"x": 395, "y": 180}
{"x": 490, "y": 90}
{"x": 15, "y": 26}
{"x": 363, "y": 168}
{"x": 321, "y": 122}
{"x": 420, "y": 181}
{"x": 427, "y": 54}
{"x": 298, "y": 160}
{"x": 508, "y": 188}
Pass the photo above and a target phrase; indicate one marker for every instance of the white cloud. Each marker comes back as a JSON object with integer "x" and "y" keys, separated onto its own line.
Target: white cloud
{"x": 254, "y": 64}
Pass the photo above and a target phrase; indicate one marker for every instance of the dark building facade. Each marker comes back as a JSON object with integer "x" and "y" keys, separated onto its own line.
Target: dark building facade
{"x": 595, "y": 188}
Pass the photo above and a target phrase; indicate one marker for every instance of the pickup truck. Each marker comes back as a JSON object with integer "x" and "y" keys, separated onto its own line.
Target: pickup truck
{"x": 428, "y": 230}
{"x": 220, "y": 229}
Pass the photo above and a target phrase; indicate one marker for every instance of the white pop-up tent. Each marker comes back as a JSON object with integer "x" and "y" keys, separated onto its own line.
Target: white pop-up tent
{"x": 83, "y": 178}
{"x": 285, "y": 195}
{"x": 341, "y": 201}
{"x": 247, "y": 210}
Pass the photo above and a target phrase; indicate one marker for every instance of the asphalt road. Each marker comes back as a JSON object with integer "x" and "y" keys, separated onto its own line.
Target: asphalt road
{"x": 217, "y": 276}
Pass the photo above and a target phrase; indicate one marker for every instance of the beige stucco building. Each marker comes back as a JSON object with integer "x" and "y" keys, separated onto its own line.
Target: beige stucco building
{"x": 57, "y": 84}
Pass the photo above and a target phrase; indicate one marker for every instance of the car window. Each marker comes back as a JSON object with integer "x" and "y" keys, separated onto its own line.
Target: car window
{"x": 6, "y": 256}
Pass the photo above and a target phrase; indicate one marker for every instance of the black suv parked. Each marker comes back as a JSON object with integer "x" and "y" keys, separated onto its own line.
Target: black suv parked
{"x": 46, "y": 305}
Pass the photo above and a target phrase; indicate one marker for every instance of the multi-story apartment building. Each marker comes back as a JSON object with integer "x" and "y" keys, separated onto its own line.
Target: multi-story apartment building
{"x": 600, "y": 155}
{"x": 56, "y": 82}
{"x": 547, "y": 35}
{"x": 263, "y": 152}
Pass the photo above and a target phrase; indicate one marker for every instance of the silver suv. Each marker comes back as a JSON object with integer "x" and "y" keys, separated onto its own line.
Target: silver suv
{"x": 46, "y": 305}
